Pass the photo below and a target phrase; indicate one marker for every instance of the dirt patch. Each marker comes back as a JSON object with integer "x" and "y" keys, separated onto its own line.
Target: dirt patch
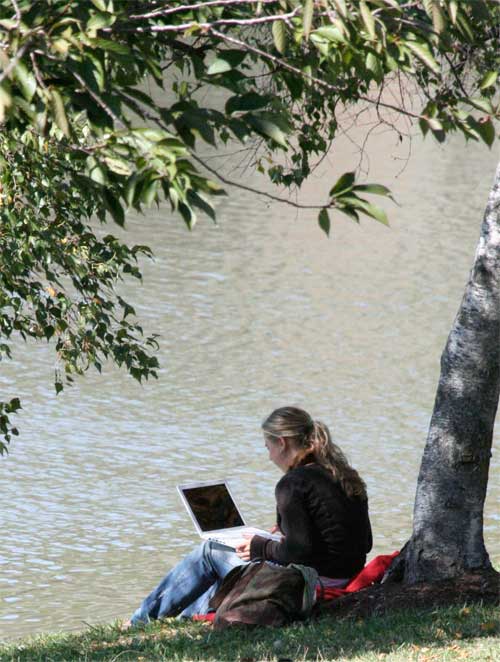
{"x": 470, "y": 588}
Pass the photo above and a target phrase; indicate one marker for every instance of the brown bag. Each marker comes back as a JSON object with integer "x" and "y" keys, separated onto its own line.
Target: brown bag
{"x": 261, "y": 594}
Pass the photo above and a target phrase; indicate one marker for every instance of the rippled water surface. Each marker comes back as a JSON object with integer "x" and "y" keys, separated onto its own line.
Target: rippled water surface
{"x": 259, "y": 311}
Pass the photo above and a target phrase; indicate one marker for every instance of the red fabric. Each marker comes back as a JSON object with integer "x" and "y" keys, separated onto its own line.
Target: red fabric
{"x": 372, "y": 572}
{"x": 204, "y": 617}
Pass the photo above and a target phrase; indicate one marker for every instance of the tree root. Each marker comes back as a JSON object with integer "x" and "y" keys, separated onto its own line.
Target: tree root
{"x": 483, "y": 586}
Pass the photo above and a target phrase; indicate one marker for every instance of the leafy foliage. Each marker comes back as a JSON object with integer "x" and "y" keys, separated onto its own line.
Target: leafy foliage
{"x": 84, "y": 138}
{"x": 57, "y": 278}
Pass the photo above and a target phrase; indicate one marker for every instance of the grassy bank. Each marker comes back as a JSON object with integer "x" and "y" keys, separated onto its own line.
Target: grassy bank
{"x": 467, "y": 633}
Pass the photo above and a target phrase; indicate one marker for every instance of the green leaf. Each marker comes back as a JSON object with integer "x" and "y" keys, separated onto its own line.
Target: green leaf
{"x": 438, "y": 18}
{"x": 374, "y": 67}
{"x": 487, "y": 131}
{"x": 366, "y": 207}
{"x": 434, "y": 124}
{"x": 26, "y": 80}
{"x": 110, "y": 46}
{"x": 59, "y": 387}
{"x": 324, "y": 221}
{"x": 59, "y": 111}
{"x": 114, "y": 207}
{"x": 453, "y": 10}
{"x": 348, "y": 211}
{"x": 100, "y": 20}
{"x": 268, "y": 129}
{"x": 481, "y": 104}
{"x": 376, "y": 189}
{"x": 320, "y": 43}
{"x": 149, "y": 192}
{"x": 331, "y": 33}
{"x": 219, "y": 66}
{"x": 343, "y": 184}
{"x": 197, "y": 122}
{"x": 119, "y": 166}
{"x": 307, "y": 17}
{"x": 188, "y": 215}
{"x": 465, "y": 27}
{"x": 13, "y": 405}
{"x": 368, "y": 20}
{"x": 433, "y": 10}
{"x": 279, "y": 36}
{"x": 294, "y": 83}
{"x": 394, "y": 4}
{"x": 100, "y": 4}
{"x": 8, "y": 23}
{"x": 488, "y": 80}
{"x": 428, "y": 7}
{"x": 341, "y": 7}
{"x": 97, "y": 174}
{"x": 225, "y": 61}
{"x": 423, "y": 53}
{"x": 246, "y": 102}
{"x": 199, "y": 201}
{"x": 5, "y": 102}
{"x": 130, "y": 189}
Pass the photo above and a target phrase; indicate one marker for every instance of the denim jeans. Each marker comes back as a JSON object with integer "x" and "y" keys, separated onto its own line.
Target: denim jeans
{"x": 188, "y": 587}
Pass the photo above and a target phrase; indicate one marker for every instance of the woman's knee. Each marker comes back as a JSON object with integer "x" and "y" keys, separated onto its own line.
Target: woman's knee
{"x": 208, "y": 547}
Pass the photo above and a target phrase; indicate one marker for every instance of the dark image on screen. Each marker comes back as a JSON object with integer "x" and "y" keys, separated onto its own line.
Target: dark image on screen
{"x": 213, "y": 507}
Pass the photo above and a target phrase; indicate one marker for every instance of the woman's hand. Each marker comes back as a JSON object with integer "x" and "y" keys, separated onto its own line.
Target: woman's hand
{"x": 275, "y": 529}
{"x": 243, "y": 550}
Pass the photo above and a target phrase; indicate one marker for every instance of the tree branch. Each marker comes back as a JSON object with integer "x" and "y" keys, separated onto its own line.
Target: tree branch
{"x": 182, "y": 27}
{"x": 313, "y": 79}
{"x": 200, "y": 5}
{"x": 263, "y": 194}
{"x": 99, "y": 101}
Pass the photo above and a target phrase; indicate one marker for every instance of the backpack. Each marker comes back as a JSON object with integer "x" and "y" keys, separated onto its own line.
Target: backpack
{"x": 264, "y": 593}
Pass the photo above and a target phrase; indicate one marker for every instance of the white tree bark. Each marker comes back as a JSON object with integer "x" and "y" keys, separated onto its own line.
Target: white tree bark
{"x": 447, "y": 537}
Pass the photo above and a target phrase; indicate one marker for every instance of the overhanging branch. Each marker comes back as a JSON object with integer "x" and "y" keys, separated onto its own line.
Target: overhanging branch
{"x": 264, "y": 194}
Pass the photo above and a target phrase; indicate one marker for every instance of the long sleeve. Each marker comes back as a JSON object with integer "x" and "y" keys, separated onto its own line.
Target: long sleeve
{"x": 296, "y": 525}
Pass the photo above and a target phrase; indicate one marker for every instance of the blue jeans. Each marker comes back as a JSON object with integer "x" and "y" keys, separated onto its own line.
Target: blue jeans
{"x": 188, "y": 587}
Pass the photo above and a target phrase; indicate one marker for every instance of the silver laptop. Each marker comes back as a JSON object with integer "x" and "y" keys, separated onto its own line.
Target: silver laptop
{"x": 215, "y": 513}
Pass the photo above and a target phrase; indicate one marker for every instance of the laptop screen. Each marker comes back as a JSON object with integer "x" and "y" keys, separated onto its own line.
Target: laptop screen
{"x": 212, "y": 507}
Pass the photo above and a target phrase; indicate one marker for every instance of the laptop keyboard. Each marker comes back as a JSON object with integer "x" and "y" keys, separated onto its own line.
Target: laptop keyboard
{"x": 228, "y": 541}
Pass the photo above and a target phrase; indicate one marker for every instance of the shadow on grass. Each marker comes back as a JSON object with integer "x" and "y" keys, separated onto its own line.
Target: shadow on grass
{"x": 405, "y": 633}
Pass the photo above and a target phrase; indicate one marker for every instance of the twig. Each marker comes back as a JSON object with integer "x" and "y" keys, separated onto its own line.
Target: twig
{"x": 456, "y": 76}
{"x": 182, "y": 27}
{"x": 99, "y": 101}
{"x": 36, "y": 71}
{"x": 17, "y": 10}
{"x": 200, "y": 5}
{"x": 264, "y": 194}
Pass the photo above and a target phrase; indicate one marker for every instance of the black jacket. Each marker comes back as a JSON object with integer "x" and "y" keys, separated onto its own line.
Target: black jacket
{"x": 323, "y": 528}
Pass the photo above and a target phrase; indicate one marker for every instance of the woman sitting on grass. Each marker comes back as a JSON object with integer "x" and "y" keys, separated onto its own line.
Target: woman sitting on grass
{"x": 322, "y": 514}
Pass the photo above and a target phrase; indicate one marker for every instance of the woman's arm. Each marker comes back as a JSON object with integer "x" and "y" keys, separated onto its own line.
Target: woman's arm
{"x": 296, "y": 526}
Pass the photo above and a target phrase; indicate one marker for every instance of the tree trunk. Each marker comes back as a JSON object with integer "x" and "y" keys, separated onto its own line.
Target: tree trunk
{"x": 447, "y": 538}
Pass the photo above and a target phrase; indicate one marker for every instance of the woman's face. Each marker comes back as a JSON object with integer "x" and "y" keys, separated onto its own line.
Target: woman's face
{"x": 277, "y": 448}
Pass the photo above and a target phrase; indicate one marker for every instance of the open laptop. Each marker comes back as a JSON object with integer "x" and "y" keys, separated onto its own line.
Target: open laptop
{"x": 215, "y": 513}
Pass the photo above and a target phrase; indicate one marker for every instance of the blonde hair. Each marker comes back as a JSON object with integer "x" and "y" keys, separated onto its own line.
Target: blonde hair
{"x": 313, "y": 438}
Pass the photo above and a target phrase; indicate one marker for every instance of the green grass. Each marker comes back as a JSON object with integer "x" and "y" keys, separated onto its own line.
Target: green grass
{"x": 467, "y": 633}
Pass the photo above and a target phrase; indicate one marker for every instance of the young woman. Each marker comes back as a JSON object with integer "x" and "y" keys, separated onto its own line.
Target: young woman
{"x": 322, "y": 513}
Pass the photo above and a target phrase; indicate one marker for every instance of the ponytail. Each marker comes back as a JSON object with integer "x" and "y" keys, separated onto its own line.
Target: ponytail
{"x": 329, "y": 456}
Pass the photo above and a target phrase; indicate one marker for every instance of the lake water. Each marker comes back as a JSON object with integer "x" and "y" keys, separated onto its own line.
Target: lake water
{"x": 259, "y": 311}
